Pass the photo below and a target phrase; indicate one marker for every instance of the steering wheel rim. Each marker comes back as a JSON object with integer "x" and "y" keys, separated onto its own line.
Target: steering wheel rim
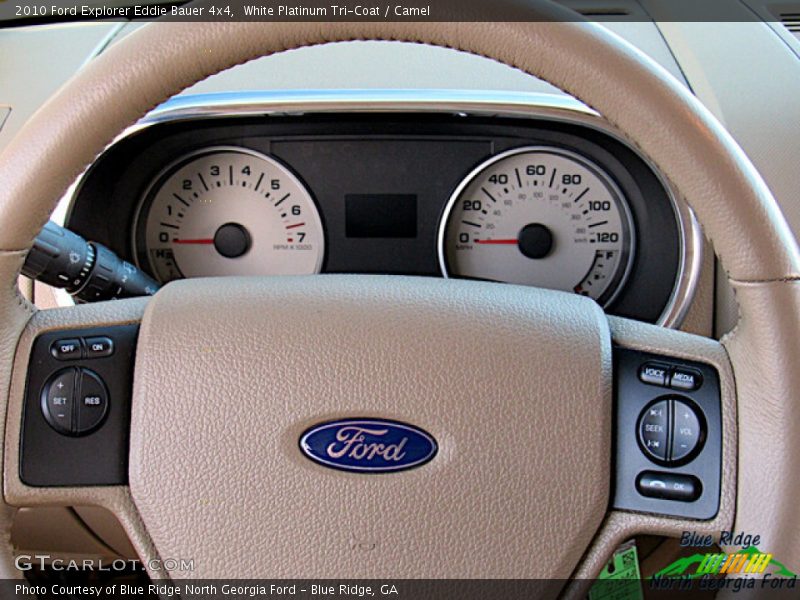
{"x": 657, "y": 114}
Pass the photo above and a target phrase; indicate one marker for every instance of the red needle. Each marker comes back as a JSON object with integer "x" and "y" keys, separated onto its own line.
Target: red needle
{"x": 201, "y": 241}
{"x": 495, "y": 241}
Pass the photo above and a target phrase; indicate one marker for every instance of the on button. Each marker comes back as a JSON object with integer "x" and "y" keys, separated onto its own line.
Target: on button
{"x": 98, "y": 347}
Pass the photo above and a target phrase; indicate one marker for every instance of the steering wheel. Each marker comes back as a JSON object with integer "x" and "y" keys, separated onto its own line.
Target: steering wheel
{"x": 514, "y": 383}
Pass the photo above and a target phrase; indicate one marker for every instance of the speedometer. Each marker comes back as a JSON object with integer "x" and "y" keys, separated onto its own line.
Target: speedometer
{"x": 539, "y": 216}
{"x": 228, "y": 211}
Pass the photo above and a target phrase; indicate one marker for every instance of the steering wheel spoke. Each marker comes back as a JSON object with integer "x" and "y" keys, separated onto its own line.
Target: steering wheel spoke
{"x": 110, "y": 317}
{"x": 69, "y": 410}
{"x": 675, "y": 419}
{"x": 675, "y": 460}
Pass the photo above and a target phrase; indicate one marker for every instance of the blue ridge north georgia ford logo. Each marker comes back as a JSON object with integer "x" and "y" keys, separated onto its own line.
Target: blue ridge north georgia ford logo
{"x": 368, "y": 445}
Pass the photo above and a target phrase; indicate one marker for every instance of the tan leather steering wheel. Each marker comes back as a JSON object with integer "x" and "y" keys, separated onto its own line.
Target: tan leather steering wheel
{"x": 215, "y": 473}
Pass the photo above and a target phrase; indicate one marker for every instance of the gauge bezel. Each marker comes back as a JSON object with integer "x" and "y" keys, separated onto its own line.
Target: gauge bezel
{"x": 535, "y": 108}
{"x": 629, "y": 231}
{"x": 139, "y": 233}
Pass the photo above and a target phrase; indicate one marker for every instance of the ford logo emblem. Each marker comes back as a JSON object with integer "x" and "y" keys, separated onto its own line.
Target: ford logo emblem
{"x": 368, "y": 445}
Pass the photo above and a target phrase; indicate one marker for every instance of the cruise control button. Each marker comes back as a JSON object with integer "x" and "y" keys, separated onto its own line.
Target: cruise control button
{"x": 653, "y": 427}
{"x": 685, "y": 430}
{"x": 684, "y": 379}
{"x": 654, "y": 374}
{"x": 66, "y": 349}
{"x": 92, "y": 404}
{"x": 98, "y": 347}
{"x": 58, "y": 402}
{"x": 668, "y": 486}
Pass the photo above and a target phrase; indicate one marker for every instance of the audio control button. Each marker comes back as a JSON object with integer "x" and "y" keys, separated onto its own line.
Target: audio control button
{"x": 653, "y": 430}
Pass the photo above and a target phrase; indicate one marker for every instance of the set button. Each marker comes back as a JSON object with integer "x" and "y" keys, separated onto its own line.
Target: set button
{"x": 76, "y": 348}
{"x": 670, "y": 431}
{"x": 75, "y": 401}
{"x": 59, "y": 399}
{"x": 675, "y": 377}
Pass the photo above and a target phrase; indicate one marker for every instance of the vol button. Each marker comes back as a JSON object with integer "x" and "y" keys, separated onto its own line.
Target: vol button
{"x": 685, "y": 430}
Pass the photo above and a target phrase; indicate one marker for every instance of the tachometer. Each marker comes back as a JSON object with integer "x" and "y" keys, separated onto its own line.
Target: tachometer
{"x": 228, "y": 211}
{"x": 539, "y": 216}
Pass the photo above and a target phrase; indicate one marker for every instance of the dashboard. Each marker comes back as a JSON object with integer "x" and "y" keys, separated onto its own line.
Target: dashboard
{"x": 525, "y": 189}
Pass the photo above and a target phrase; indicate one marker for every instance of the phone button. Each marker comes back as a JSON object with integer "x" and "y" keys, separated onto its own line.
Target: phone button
{"x": 668, "y": 486}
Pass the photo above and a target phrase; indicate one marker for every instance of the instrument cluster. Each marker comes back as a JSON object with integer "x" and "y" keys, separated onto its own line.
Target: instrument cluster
{"x": 543, "y": 203}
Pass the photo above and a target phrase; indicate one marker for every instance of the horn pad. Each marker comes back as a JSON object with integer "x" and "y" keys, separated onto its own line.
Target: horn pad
{"x": 512, "y": 384}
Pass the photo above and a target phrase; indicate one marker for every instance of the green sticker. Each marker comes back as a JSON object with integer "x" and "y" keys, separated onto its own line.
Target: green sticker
{"x": 620, "y": 579}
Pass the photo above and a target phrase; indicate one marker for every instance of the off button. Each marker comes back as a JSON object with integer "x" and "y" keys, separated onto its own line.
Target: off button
{"x": 66, "y": 349}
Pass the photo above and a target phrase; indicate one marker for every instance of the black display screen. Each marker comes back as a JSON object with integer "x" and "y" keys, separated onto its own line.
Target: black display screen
{"x": 381, "y": 215}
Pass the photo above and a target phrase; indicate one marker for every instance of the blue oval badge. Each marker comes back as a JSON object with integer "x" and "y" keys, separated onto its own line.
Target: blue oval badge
{"x": 368, "y": 445}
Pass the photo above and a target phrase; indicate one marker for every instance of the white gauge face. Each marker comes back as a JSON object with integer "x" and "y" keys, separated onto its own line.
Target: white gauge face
{"x": 543, "y": 217}
{"x": 229, "y": 211}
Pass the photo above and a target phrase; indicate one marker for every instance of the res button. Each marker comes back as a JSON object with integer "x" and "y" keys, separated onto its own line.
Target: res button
{"x": 92, "y": 402}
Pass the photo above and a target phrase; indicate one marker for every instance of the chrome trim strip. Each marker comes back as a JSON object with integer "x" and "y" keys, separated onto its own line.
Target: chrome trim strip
{"x": 556, "y": 107}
